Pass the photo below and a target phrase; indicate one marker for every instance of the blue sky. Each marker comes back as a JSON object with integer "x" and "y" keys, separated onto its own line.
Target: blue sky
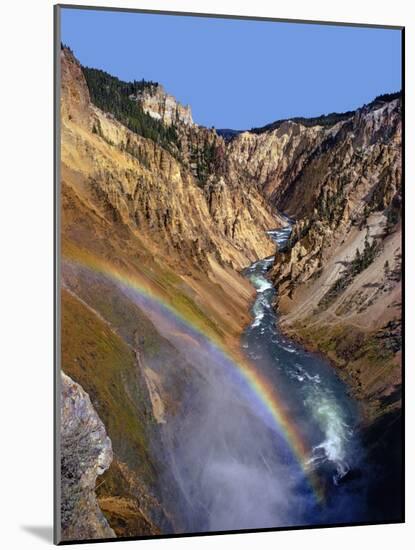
{"x": 238, "y": 73}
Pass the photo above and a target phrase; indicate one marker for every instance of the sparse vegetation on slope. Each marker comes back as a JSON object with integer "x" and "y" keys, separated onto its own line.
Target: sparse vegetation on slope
{"x": 340, "y": 271}
{"x": 95, "y": 357}
{"x": 360, "y": 262}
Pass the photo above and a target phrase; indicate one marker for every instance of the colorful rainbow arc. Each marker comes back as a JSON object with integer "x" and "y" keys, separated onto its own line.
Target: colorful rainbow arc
{"x": 261, "y": 388}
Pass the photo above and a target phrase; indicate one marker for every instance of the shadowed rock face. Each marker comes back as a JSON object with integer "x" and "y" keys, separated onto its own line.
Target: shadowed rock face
{"x": 86, "y": 453}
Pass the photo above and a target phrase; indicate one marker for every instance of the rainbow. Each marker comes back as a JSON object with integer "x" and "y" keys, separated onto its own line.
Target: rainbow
{"x": 265, "y": 395}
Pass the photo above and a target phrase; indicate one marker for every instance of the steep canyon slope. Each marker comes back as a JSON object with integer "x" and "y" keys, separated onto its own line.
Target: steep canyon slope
{"x": 338, "y": 281}
{"x": 154, "y": 205}
{"x": 132, "y": 210}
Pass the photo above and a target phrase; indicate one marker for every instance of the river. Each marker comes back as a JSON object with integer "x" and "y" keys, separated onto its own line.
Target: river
{"x": 228, "y": 464}
{"x": 317, "y": 401}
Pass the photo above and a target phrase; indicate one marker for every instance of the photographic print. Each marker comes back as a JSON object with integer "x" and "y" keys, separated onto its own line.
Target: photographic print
{"x": 229, "y": 203}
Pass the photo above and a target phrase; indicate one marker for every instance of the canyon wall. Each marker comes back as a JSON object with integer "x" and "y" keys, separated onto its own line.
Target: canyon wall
{"x": 181, "y": 211}
{"x": 174, "y": 224}
{"x": 338, "y": 281}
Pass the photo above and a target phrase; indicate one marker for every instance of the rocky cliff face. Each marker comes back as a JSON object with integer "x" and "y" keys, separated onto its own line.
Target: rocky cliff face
{"x": 86, "y": 453}
{"x": 163, "y": 106}
{"x": 339, "y": 281}
{"x": 272, "y": 159}
{"x": 154, "y": 193}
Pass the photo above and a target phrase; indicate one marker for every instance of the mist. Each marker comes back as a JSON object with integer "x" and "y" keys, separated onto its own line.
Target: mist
{"x": 232, "y": 468}
{"x": 224, "y": 463}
